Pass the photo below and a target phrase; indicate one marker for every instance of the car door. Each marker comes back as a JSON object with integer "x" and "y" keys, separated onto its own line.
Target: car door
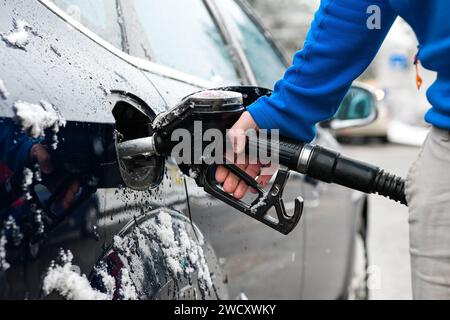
{"x": 75, "y": 59}
{"x": 255, "y": 258}
{"x": 330, "y": 214}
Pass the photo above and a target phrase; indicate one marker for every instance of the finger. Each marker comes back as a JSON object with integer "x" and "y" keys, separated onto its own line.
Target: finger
{"x": 237, "y": 139}
{"x": 71, "y": 192}
{"x": 252, "y": 170}
{"x": 266, "y": 174}
{"x": 41, "y": 155}
{"x": 230, "y": 184}
{"x": 237, "y": 134}
{"x": 221, "y": 174}
{"x": 232, "y": 180}
{"x": 241, "y": 190}
{"x": 263, "y": 181}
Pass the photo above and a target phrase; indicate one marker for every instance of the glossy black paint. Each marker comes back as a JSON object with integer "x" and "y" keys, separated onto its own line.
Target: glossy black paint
{"x": 85, "y": 82}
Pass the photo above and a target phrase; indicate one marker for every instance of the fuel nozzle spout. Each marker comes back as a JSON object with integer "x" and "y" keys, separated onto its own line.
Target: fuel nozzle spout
{"x": 137, "y": 147}
{"x": 214, "y": 109}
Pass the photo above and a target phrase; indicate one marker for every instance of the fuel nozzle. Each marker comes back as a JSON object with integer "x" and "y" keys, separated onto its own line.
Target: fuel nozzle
{"x": 219, "y": 110}
{"x": 215, "y": 109}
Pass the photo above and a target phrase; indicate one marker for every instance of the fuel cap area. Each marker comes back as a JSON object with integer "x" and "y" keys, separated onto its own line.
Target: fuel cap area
{"x": 134, "y": 121}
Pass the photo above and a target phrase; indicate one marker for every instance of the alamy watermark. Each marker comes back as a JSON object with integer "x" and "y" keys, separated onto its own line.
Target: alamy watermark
{"x": 211, "y": 147}
{"x": 374, "y": 19}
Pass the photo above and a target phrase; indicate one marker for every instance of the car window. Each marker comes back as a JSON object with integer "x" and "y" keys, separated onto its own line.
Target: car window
{"x": 266, "y": 63}
{"x": 99, "y": 16}
{"x": 182, "y": 35}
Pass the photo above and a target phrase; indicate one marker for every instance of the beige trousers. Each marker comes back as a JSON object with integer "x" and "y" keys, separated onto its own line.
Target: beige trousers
{"x": 428, "y": 196}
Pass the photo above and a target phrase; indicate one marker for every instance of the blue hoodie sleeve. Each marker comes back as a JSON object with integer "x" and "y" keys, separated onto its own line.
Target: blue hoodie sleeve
{"x": 338, "y": 48}
{"x": 14, "y": 147}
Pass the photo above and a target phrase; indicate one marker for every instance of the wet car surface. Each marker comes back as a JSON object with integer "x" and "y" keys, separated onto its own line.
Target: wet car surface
{"x": 105, "y": 70}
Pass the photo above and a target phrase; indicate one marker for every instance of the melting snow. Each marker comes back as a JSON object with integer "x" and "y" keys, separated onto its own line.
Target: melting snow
{"x": 181, "y": 253}
{"x": 4, "y": 265}
{"x": 27, "y": 181}
{"x": 193, "y": 174}
{"x": 68, "y": 283}
{"x": 183, "y": 256}
{"x": 169, "y": 246}
{"x": 109, "y": 283}
{"x": 242, "y": 296}
{"x": 14, "y": 229}
{"x": 127, "y": 290}
{"x": 27, "y": 178}
{"x": 14, "y": 233}
{"x": 36, "y": 118}
{"x": 4, "y": 94}
{"x": 63, "y": 278}
{"x": 40, "y": 227}
{"x": 19, "y": 36}
{"x": 261, "y": 202}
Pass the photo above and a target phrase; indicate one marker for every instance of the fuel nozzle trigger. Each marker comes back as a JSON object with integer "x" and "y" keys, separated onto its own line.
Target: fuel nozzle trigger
{"x": 266, "y": 200}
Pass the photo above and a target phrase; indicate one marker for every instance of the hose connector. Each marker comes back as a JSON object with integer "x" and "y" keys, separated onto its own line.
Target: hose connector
{"x": 390, "y": 186}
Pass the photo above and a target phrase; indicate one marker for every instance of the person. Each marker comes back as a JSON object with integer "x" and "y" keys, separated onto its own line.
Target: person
{"x": 18, "y": 151}
{"x": 340, "y": 45}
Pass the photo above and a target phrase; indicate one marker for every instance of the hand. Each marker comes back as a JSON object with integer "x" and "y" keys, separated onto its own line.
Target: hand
{"x": 230, "y": 182}
{"x": 40, "y": 154}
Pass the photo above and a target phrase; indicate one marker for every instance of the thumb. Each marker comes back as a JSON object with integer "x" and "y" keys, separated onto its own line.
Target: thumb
{"x": 238, "y": 132}
{"x": 39, "y": 153}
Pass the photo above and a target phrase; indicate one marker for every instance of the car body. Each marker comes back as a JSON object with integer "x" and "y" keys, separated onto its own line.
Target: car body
{"x": 137, "y": 59}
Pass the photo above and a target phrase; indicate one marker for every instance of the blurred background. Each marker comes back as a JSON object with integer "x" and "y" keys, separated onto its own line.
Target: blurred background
{"x": 393, "y": 141}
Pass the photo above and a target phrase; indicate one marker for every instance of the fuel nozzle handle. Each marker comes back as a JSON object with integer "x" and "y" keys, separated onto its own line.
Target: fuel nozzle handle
{"x": 331, "y": 167}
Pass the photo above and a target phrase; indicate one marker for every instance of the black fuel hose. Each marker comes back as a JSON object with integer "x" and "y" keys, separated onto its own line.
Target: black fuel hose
{"x": 331, "y": 167}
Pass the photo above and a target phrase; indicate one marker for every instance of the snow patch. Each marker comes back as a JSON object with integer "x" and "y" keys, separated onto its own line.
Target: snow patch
{"x": 14, "y": 231}
{"x": 127, "y": 290}
{"x": 27, "y": 178}
{"x": 4, "y": 265}
{"x": 26, "y": 182}
{"x": 19, "y": 36}
{"x": 4, "y": 94}
{"x": 39, "y": 224}
{"x": 182, "y": 255}
{"x": 193, "y": 173}
{"x": 108, "y": 281}
{"x": 261, "y": 202}
{"x": 10, "y": 232}
{"x": 242, "y": 296}
{"x": 62, "y": 278}
{"x": 36, "y": 118}
{"x": 166, "y": 238}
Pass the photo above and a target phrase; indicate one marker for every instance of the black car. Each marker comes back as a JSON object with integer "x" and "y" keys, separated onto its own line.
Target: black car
{"x": 76, "y": 76}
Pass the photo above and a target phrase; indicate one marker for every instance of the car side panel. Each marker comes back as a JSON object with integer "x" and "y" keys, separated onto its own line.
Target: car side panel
{"x": 333, "y": 218}
{"x": 66, "y": 68}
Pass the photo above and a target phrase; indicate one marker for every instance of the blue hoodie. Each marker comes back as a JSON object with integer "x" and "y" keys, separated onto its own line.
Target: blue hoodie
{"x": 15, "y": 147}
{"x": 339, "y": 47}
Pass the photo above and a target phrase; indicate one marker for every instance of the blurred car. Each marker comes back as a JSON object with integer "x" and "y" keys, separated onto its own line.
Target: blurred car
{"x": 108, "y": 67}
{"x": 377, "y": 130}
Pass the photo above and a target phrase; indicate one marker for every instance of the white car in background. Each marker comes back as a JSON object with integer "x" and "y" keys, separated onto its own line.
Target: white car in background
{"x": 376, "y": 130}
